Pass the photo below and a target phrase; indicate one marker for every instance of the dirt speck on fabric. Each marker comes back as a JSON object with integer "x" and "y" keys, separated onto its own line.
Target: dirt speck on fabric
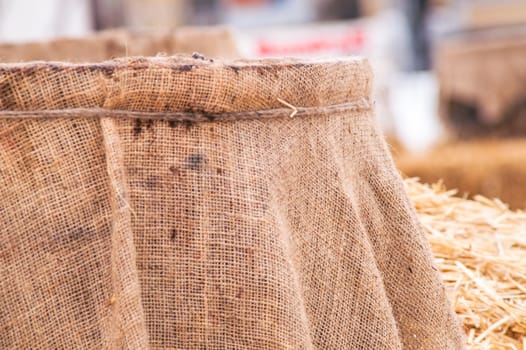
{"x": 137, "y": 128}
{"x": 195, "y": 161}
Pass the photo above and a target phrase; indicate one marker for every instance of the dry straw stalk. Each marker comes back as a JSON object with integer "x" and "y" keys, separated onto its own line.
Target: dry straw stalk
{"x": 480, "y": 250}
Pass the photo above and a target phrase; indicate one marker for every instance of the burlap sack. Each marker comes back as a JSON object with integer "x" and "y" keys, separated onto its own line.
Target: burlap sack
{"x": 482, "y": 78}
{"x": 179, "y": 203}
{"x": 212, "y": 41}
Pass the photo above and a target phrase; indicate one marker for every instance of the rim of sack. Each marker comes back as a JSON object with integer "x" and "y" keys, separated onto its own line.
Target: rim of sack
{"x": 186, "y": 89}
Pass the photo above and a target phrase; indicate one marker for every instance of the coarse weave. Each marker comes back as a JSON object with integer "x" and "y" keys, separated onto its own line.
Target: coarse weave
{"x": 185, "y": 203}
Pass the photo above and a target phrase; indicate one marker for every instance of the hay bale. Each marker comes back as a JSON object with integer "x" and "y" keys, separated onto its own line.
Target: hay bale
{"x": 480, "y": 249}
{"x": 496, "y": 169}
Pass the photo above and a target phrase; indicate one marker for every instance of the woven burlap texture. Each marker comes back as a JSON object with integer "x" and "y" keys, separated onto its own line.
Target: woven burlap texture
{"x": 165, "y": 233}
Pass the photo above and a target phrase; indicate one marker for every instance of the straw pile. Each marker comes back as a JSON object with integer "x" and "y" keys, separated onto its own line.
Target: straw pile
{"x": 493, "y": 168}
{"x": 480, "y": 249}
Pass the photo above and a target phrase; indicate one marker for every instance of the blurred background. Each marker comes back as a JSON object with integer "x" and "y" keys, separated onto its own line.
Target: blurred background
{"x": 450, "y": 75}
